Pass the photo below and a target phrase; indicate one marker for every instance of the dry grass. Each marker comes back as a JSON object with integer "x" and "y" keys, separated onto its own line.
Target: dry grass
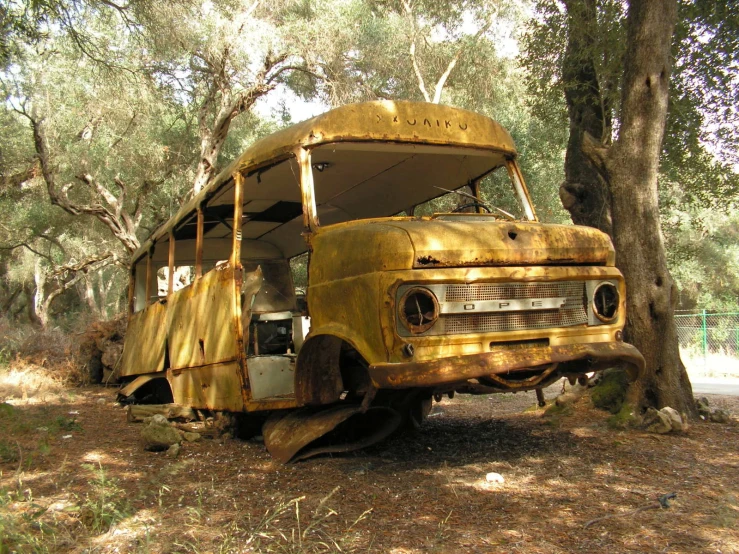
{"x": 75, "y": 478}
{"x": 81, "y": 482}
{"x": 28, "y": 383}
{"x": 45, "y": 347}
{"x": 35, "y": 361}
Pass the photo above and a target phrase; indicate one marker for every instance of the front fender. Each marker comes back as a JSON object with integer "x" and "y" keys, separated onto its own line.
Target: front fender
{"x": 318, "y": 378}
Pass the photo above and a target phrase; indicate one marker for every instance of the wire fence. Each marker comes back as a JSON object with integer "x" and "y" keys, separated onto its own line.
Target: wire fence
{"x": 709, "y": 342}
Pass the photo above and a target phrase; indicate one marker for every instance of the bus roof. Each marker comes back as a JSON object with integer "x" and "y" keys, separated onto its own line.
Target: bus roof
{"x": 413, "y": 123}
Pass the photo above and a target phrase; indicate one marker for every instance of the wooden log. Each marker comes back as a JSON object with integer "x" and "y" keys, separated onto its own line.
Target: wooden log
{"x": 140, "y": 412}
{"x": 208, "y": 432}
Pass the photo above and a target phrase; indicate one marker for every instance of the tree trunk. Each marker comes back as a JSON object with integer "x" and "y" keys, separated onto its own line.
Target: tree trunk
{"x": 88, "y": 293}
{"x": 38, "y": 312}
{"x": 584, "y": 193}
{"x": 210, "y": 149}
{"x": 212, "y": 139}
{"x": 30, "y": 293}
{"x": 10, "y": 297}
{"x": 632, "y": 167}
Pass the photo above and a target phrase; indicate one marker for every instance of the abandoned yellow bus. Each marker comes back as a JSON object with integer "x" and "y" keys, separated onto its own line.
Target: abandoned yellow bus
{"x": 400, "y": 307}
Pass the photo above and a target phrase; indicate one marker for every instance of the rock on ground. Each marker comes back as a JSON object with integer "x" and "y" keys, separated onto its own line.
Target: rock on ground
{"x": 158, "y": 436}
{"x": 610, "y": 392}
{"x": 719, "y": 416}
{"x": 656, "y": 422}
{"x": 705, "y": 411}
{"x": 676, "y": 419}
{"x": 664, "y": 421}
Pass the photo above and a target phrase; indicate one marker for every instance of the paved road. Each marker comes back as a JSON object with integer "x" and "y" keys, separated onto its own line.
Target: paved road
{"x": 706, "y": 385}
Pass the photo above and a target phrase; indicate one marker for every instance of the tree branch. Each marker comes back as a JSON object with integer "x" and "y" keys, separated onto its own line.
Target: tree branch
{"x": 85, "y": 264}
{"x": 125, "y": 132}
{"x": 17, "y": 179}
{"x": 250, "y": 10}
{"x": 78, "y": 270}
{"x": 450, "y": 67}
{"x": 120, "y": 227}
{"x": 100, "y": 189}
{"x": 25, "y": 244}
{"x": 232, "y": 104}
{"x": 298, "y": 68}
{"x": 414, "y": 61}
{"x": 53, "y": 241}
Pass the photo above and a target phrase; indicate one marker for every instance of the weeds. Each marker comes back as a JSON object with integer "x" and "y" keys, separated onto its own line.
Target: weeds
{"x": 5, "y": 357}
{"x": 442, "y": 534}
{"x": 8, "y": 451}
{"x": 19, "y": 529}
{"x": 284, "y": 529}
{"x": 195, "y": 513}
{"x": 556, "y": 413}
{"x": 270, "y": 534}
{"x": 62, "y": 423}
{"x": 623, "y": 419}
{"x": 106, "y": 505}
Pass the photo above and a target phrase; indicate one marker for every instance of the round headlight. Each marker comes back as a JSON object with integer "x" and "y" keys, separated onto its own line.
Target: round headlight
{"x": 605, "y": 301}
{"x": 418, "y": 309}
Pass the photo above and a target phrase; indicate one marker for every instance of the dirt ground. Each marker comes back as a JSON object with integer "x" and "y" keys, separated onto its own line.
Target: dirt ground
{"x": 75, "y": 478}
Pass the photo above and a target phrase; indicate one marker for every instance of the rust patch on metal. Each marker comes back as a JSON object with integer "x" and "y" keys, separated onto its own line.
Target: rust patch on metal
{"x": 427, "y": 260}
{"x": 297, "y": 435}
{"x": 213, "y": 387}
{"x": 317, "y": 375}
{"x": 443, "y": 371}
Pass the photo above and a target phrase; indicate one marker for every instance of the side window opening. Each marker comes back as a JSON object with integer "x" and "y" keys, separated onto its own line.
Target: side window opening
{"x": 140, "y": 301}
{"x": 183, "y": 276}
{"x": 299, "y": 269}
{"x": 274, "y": 309}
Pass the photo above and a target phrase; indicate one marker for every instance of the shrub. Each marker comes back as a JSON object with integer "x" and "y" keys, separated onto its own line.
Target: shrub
{"x": 610, "y": 392}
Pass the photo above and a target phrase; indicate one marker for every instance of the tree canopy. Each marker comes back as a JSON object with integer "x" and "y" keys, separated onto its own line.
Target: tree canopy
{"x": 115, "y": 112}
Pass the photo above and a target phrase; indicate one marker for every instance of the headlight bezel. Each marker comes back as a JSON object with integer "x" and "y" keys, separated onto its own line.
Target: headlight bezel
{"x": 424, "y": 299}
{"x": 605, "y": 310}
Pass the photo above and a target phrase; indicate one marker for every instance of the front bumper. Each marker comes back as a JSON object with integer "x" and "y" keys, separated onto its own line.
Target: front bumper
{"x": 459, "y": 369}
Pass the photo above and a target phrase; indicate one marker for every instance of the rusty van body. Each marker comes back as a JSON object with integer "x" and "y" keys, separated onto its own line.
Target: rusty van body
{"x": 400, "y": 308}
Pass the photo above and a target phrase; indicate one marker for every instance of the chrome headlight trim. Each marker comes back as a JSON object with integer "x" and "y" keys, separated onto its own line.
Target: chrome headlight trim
{"x": 418, "y": 309}
{"x": 606, "y": 301}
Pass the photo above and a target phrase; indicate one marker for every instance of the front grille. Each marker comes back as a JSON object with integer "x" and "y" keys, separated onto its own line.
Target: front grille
{"x": 574, "y": 311}
{"x": 513, "y": 291}
{"x": 455, "y": 324}
{"x": 489, "y": 313}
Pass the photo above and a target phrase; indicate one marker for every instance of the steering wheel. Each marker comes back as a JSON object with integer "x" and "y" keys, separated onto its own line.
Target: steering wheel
{"x": 471, "y": 205}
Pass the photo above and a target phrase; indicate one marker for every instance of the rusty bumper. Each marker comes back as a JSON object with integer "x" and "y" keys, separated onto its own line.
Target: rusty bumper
{"x": 444, "y": 371}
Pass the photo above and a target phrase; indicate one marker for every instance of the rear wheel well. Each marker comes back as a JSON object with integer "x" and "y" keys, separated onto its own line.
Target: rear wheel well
{"x": 156, "y": 391}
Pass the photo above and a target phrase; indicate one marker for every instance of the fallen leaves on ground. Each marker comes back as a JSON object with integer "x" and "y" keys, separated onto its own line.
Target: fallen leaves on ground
{"x": 75, "y": 478}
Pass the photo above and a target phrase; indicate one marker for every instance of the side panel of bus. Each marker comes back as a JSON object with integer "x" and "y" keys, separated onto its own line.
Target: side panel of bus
{"x": 203, "y": 322}
{"x": 146, "y": 341}
{"x": 197, "y": 330}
